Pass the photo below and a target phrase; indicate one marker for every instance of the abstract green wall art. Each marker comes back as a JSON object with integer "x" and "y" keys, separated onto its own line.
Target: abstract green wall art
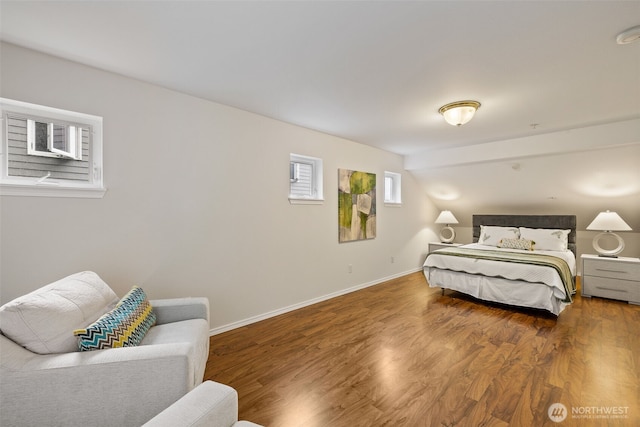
{"x": 356, "y": 205}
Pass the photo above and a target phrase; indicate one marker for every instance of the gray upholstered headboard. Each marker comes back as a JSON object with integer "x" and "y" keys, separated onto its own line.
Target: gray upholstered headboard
{"x": 564, "y": 222}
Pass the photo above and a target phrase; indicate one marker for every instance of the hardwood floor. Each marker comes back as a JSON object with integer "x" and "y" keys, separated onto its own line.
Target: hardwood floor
{"x": 402, "y": 354}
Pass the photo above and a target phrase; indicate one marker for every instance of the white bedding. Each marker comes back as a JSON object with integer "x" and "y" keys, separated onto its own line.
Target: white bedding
{"x": 509, "y": 283}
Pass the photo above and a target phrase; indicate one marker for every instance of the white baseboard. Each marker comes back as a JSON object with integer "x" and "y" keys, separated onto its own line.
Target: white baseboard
{"x": 264, "y": 316}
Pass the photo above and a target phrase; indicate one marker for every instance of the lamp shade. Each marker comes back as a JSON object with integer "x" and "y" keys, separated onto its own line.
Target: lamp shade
{"x": 460, "y": 112}
{"x": 608, "y": 221}
{"x": 446, "y": 217}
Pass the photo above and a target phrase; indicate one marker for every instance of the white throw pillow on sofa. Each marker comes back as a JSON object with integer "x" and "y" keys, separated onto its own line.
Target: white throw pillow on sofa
{"x": 43, "y": 321}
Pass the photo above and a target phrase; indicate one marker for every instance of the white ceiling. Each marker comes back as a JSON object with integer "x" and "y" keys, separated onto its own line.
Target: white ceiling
{"x": 373, "y": 72}
{"x": 377, "y": 72}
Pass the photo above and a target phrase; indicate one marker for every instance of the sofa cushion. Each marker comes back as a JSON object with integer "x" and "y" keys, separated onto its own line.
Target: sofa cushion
{"x": 43, "y": 320}
{"x": 124, "y": 326}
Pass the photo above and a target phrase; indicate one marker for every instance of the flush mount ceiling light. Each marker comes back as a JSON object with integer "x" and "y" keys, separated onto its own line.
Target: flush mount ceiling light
{"x": 460, "y": 112}
{"x": 629, "y": 36}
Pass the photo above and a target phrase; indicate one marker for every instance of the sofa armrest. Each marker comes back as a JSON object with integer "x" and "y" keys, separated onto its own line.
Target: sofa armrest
{"x": 210, "y": 404}
{"x": 177, "y": 309}
{"x": 127, "y": 386}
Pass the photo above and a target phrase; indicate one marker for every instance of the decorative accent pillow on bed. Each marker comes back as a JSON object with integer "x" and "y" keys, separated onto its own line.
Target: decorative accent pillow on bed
{"x": 524, "y": 244}
{"x": 547, "y": 239}
{"x": 124, "y": 326}
{"x": 491, "y": 235}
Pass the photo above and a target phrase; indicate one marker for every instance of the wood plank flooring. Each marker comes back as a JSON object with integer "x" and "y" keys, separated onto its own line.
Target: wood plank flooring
{"x": 402, "y": 354}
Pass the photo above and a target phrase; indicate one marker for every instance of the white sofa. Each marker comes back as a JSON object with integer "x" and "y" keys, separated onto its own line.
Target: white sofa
{"x": 210, "y": 404}
{"x": 44, "y": 381}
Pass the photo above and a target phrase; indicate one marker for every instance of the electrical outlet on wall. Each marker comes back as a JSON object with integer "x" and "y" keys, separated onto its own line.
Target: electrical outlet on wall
{"x": 350, "y": 268}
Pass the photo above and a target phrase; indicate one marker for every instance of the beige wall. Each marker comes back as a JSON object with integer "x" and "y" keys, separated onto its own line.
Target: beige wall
{"x": 197, "y": 202}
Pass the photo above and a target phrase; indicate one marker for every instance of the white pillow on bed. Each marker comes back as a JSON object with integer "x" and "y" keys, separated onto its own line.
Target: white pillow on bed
{"x": 547, "y": 239}
{"x": 491, "y": 235}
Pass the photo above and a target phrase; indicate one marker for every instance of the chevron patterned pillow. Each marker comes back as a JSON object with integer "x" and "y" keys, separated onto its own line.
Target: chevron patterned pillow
{"x": 124, "y": 326}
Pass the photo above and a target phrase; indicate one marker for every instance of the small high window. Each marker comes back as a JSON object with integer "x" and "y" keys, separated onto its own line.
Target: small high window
{"x": 49, "y": 152}
{"x": 305, "y": 179}
{"x": 392, "y": 188}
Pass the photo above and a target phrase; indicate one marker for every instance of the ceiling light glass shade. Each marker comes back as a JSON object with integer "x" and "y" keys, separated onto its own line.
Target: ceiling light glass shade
{"x": 447, "y": 234}
{"x": 608, "y": 222}
{"x": 460, "y": 112}
{"x": 629, "y": 36}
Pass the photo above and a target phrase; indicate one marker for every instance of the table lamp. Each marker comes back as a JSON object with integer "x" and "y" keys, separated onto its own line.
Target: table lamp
{"x": 446, "y": 217}
{"x": 607, "y": 222}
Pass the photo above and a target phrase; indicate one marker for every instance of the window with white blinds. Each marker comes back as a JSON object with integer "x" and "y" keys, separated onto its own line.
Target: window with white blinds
{"x": 305, "y": 179}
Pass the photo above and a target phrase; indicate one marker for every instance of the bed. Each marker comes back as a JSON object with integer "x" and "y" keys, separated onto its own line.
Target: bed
{"x": 519, "y": 260}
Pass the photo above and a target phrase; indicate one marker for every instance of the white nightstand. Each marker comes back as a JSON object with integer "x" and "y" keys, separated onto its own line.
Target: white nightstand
{"x": 439, "y": 245}
{"x": 616, "y": 278}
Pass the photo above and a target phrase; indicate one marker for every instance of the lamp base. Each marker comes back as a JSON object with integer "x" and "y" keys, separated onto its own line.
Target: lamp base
{"x": 611, "y": 253}
{"x": 444, "y": 231}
